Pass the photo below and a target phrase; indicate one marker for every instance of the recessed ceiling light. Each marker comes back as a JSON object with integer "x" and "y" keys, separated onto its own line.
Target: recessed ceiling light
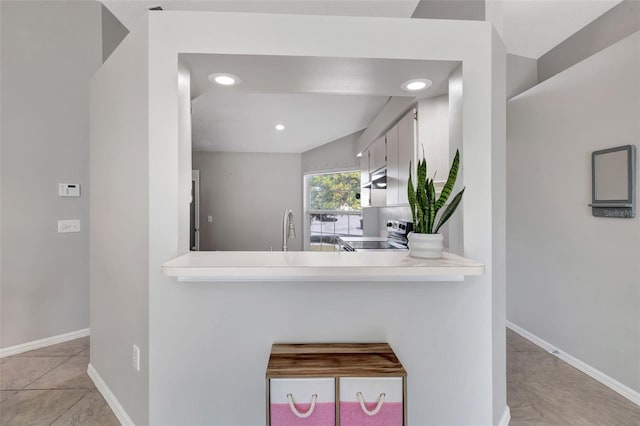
{"x": 280, "y": 127}
{"x": 224, "y": 79}
{"x": 416, "y": 84}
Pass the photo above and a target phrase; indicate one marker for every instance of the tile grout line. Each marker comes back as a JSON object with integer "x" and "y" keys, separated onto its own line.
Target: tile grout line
{"x": 48, "y": 389}
{"x": 72, "y": 357}
{"x": 47, "y": 372}
{"x": 73, "y": 405}
{"x": 25, "y": 355}
{"x": 83, "y": 391}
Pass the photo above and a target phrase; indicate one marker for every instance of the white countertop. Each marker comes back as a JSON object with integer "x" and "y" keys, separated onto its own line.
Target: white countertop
{"x": 317, "y": 266}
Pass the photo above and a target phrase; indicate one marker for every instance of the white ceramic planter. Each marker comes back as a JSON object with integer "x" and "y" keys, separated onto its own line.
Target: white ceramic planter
{"x": 425, "y": 246}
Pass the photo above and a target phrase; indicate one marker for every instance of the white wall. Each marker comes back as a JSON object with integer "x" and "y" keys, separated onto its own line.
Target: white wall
{"x": 573, "y": 278}
{"x": 455, "y": 225}
{"x": 337, "y": 155}
{"x": 522, "y": 74}
{"x": 433, "y": 135}
{"x": 188, "y": 322}
{"x": 617, "y": 23}
{"x": 220, "y": 336}
{"x": 49, "y": 52}
{"x": 247, "y": 193}
{"x": 498, "y": 199}
{"x": 113, "y": 32}
{"x": 119, "y": 243}
{"x": 185, "y": 177}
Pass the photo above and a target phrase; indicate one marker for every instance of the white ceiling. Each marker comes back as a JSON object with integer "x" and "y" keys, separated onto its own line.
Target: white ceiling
{"x": 530, "y": 27}
{"x": 320, "y": 75}
{"x": 533, "y": 27}
{"x": 323, "y": 99}
{"x": 318, "y": 99}
{"x": 245, "y": 122}
{"x": 129, "y": 12}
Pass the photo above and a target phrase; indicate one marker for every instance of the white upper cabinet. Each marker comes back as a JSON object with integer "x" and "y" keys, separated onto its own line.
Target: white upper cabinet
{"x": 378, "y": 154}
{"x": 396, "y": 150}
{"x": 392, "y": 166}
{"x": 401, "y": 151}
{"x": 407, "y": 137}
{"x": 365, "y": 193}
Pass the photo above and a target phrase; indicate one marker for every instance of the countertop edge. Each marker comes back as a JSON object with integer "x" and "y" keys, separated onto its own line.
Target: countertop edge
{"x": 449, "y": 268}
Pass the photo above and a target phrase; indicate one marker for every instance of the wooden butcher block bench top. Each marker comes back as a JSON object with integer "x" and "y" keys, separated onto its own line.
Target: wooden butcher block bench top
{"x": 334, "y": 360}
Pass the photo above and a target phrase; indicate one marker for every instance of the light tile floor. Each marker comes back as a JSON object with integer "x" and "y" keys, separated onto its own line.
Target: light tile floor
{"x": 544, "y": 390}
{"x": 50, "y": 386}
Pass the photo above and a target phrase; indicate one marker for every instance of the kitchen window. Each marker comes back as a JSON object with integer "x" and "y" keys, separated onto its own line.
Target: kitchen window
{"x": 332, "y": 209}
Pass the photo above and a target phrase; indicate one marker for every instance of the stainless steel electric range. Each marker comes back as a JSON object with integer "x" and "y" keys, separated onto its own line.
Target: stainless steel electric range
{"x": 397, "y": 239}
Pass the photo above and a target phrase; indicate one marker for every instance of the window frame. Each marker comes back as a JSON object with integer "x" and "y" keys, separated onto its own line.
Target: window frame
{"x": 306, "y": 212}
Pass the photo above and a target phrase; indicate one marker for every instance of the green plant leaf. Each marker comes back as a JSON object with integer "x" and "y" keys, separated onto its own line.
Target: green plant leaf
{"x": 451, "y": 181}
{"x": 432, "y": 206}
{"x": 418, "y": 224}
{"x": 411, "y": 195}
{"x": 427, "y": 210}
{"x": 423, "y": 201}
{"x": 422, "y": 175}
{"x": 421, "y": 194}
{"x": 451, "y": 208}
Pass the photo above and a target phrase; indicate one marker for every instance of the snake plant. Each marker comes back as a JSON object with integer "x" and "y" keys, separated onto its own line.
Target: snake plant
{"x": 423, "y": 202}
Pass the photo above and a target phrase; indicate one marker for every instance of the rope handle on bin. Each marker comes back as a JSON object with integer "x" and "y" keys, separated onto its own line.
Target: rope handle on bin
{"x": 375, "y": 410}
{"x": 314, "y": 397}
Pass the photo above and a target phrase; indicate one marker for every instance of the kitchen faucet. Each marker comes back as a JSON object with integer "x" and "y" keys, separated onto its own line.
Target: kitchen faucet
{"x": 288, "y": 228}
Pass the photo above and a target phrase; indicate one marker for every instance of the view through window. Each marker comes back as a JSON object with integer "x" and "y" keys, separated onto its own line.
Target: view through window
{"x": 333, "y": 208}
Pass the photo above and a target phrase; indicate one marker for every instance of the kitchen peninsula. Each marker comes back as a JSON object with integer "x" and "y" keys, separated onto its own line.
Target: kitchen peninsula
{"x": 228, "y": 309}
{"x": 204, "y": 346}
{"x": 318, "y": 266}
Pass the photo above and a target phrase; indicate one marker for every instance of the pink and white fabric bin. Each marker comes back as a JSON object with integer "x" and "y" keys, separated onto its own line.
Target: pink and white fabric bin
{"x": 299, "y": 402}
{"x": 371, "y": 401}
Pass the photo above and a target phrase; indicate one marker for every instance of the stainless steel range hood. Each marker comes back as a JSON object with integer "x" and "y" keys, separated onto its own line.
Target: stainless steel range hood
{"x": 378, "y": 179}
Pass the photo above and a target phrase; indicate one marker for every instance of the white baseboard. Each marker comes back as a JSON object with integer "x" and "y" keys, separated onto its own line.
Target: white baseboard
{"x": 596, "y": 374}
{"x": 506, "y": 417}
{"x": 111, "y": 399}
{"x": 37, "y": 344}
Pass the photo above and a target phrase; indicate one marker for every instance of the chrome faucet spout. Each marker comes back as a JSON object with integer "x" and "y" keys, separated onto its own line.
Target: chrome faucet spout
{"x": 288, "y": 228}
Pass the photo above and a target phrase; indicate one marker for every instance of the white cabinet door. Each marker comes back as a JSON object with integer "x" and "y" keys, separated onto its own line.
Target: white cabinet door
{"x": 406, "y": 153}
{"x": 365, "y": 193}
{"x": 378, "y": 197}
{"x": 378, "y": 151}
{"x": 392, "y": 166}
{"x": 377, "y": 160}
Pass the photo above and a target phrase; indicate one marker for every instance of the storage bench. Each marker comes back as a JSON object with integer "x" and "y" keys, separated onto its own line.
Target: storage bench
{"x": 341, "y": 384}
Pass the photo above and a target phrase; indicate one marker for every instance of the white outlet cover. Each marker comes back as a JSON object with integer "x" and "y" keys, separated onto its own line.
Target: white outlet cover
{"x": 136, "y": 357}
{"x": 70, "y": 225}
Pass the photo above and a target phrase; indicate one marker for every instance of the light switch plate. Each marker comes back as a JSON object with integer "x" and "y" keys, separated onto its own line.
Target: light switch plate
{"x": 72, "y": 225}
